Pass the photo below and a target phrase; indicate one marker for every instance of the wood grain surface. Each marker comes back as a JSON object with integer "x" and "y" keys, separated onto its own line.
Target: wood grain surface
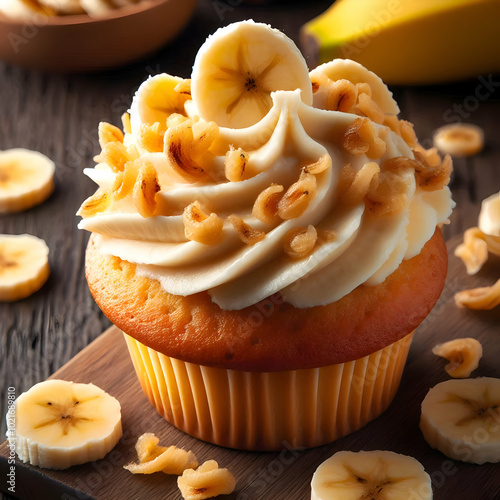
{"x": 58, "y": 115}
{"x": 284, "y": 475}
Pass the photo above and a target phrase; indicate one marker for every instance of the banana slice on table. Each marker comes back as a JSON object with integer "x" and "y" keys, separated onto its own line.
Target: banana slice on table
{"x": 238, "y": 67}
{"x": 459, "y": 139}
{"x": 24, "y": 266}
{"x": 58, "y": 424}
{"x": 373, "y": 475}
{"x": 461, "y": 418}
{"x": 26, "y": 179}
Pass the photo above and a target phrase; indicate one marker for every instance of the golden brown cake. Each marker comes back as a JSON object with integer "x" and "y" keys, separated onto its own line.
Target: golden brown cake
{"x": 267, "y": 239}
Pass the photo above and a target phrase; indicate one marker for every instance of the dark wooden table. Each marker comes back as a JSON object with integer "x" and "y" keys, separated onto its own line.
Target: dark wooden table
{"x": 58, "y": 115}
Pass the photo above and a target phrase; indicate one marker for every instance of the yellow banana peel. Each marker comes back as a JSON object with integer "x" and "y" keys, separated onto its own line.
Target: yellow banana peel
{"x": 409, "y": 41}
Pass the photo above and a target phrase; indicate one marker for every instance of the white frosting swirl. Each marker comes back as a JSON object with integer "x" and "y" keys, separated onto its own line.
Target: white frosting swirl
{"x": 236, "y": 275}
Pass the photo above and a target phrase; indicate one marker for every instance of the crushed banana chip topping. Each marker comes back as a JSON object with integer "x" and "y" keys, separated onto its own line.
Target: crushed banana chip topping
{"x": 370, "y": 108}
{"x": 300, "y": 241}
{"x": 98, "y": 202}
{"x": 201, "y": 227}
{"x": 361, "y": 137}
{"x": 184, "y": 159}
{"x": 125, "y": 180}
{"x": 479, "y": 298}
{"x": 359, "y": 182}
{"x": 342, "y": 95}
{"x": 318, "y": 166}
{"x": 407, "y": 132}
{"x": 154, "y": 458}
{"x": 150, "y": 137}
{"x": 234, "y": 164}
{"x": 431, "y": 177}
{"x": 297, "y": 197}
{"x": 114, "y": 154}
{"x": 145, "y": 188}
{"x": 389, "y": 196}
{"x": 265, "y": 207}
{"x": 109, "y": 133}
{"x": 207, "y": 481}
{"x": 246, "y": 233}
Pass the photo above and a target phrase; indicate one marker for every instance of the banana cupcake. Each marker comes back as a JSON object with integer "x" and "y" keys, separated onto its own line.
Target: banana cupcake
{"x": 268, "y": 240}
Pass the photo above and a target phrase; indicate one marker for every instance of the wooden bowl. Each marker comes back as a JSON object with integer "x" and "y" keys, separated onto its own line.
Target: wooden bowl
{"x": 79, "y": 43}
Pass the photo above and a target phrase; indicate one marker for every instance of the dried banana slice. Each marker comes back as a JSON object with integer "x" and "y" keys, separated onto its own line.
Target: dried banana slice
{"x": 459, "y": 139}
{"x": 154, "y": 458}
{"x": 463, "y": 356}
{"x": 206, "y": 481}
{"x": 238, "y": 67}
{"x": 461, "y": 418}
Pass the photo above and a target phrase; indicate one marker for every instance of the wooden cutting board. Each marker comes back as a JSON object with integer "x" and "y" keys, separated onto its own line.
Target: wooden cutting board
{"x": 287, "y": 474}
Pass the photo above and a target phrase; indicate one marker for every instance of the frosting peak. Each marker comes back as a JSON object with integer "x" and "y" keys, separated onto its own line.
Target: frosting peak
{"x": 312, "y": 199}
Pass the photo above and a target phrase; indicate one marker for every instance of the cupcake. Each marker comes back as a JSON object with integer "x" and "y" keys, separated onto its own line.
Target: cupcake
{"x": 267, "y": 238}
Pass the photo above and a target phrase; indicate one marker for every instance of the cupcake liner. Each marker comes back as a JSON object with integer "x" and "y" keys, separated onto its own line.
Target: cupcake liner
{"x": 269, "y": 410}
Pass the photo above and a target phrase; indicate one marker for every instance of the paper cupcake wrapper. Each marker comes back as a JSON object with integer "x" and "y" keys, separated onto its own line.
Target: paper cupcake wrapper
{"x": 270, "y": 410}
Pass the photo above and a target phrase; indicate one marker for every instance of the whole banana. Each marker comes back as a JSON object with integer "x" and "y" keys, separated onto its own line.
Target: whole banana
{"x": 409, "y": 41}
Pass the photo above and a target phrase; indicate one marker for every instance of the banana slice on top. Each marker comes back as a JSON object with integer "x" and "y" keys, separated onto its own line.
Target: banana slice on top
{"x": 374, "y": 475}
{"x": 461, "y": 418}
{"x": 155, "y": 100}
{"x": 26, "y": 179}
{"x": 24, "y": 266}
{"x": 238, "y": 67}
{"x": 58, "y": 424}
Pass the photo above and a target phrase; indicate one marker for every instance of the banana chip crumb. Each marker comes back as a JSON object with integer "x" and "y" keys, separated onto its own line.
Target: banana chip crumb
{"x": 342, "y": 95}
{"x": 300, "y": 241}
{"x": 473, "y": 251}
{"x": 246, "y": 233}
{"x": 485, "y": 298}
{"x": 361, "y": 137}
{"x": 98, "y": 202}
{"x": 463, "y": 356}
{"x": 109, "y": 133}
{"x": 154, "y": 458}
{"x": 206, "y": 481}
{"x": 297, "y": 197}
{"x": 200, "y": 226}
